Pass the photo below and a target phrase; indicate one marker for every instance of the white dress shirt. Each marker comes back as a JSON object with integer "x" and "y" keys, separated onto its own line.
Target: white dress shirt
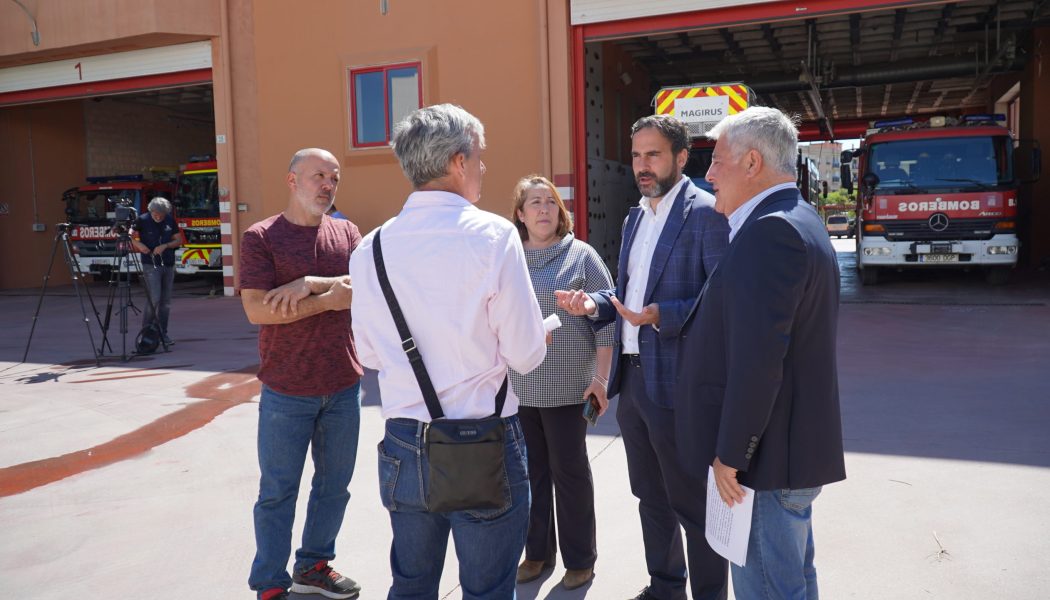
{"x": 740, "y": 215}
{"x": 639, "y": 260}
{"x": 460, "y": 276}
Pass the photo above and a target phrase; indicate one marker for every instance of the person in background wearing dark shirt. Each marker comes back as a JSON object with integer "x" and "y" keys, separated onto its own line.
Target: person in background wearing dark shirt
{"x": 295, "y": 285}
{"x": 156, "y": 235}
{"x": 335, "y": 213}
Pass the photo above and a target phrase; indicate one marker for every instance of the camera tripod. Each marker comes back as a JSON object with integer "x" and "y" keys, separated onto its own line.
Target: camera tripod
{"x": 62, "y": 239}
{"x": 124, "y": 266}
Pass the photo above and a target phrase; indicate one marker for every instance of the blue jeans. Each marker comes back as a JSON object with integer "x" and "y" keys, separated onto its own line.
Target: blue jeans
{"x": 159, "y": 282}
{"x": 488, "y": 542}
{"x": 780, "y": 548}
{"x": 288, "y": 425}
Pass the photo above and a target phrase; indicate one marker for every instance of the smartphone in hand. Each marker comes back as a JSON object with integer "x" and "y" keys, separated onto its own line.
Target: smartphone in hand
{"x": 590, "y": 409}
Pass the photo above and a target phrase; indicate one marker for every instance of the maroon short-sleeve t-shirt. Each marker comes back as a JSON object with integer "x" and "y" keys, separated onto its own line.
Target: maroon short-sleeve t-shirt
{"x": 315, "y": 355}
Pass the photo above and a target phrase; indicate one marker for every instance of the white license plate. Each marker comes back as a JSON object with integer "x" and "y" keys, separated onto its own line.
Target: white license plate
{"x": 102, "y": 261}
{"x": 197, "y": 261}
{"x": 938, "y": 258}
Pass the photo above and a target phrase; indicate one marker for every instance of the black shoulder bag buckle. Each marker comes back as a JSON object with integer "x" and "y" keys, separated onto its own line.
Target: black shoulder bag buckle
{"x": 465, "y": 457}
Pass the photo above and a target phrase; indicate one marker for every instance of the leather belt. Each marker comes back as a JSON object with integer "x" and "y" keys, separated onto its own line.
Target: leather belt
{"x": 633, "y": 360}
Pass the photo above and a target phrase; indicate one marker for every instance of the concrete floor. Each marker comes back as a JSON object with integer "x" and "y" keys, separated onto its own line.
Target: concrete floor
{"x": 136, "y": 480}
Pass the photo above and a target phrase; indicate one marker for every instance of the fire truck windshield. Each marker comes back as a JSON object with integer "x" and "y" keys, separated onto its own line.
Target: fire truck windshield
{"x": 197, "y": 195}
{"x": 942, "y": 164}
{"x": 97, "y": 205}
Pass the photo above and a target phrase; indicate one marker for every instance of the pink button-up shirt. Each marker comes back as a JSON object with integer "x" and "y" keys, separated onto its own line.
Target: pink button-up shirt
{"x": 460, "y": 276}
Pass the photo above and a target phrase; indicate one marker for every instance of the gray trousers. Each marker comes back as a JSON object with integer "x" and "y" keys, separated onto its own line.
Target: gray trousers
{"x": 159, "y": 281}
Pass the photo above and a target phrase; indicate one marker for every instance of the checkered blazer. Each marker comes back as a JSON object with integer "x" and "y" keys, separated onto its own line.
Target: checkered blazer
{"x": 693, "y": 240}
{"x": 567, "y": 369}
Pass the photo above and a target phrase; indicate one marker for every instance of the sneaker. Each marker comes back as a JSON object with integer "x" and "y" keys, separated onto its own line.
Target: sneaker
{"x": 274, "y": 594}
{"x": 168, "y": 341}
{"x": 323, "y": 579}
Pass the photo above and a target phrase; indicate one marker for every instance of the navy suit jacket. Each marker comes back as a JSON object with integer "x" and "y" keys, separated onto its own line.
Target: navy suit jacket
{"x": 758, "y": 382}
{"x": 690, "y": 246}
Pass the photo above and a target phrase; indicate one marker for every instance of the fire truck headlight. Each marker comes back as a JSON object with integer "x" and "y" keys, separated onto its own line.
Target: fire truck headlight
{"x": 1002, "y": 250}
{"x": 877, "y": 251}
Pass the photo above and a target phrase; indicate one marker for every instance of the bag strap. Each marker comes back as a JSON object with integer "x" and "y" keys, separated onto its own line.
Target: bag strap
{"x": 408, "y": 344}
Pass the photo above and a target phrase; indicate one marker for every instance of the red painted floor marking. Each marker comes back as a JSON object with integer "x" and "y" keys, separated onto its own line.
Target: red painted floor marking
{"x": 220, "y": 392}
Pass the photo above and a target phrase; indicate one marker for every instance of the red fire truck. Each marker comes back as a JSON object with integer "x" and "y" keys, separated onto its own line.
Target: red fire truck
{"x": 197, "y": 212}
{"x": 939, "y": 192}
{"x": 92, "y": 212}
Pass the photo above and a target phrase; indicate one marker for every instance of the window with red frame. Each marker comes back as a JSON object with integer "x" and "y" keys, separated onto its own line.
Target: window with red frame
{"x": 379, "y": 98}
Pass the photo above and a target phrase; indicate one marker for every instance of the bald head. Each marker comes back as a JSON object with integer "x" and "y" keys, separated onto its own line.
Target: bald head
{"x": 308, "y": 152}
{"x": 312, "y": 179}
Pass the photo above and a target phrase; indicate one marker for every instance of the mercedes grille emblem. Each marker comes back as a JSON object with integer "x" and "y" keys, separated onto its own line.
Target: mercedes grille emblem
{"x": 939, "y": 222}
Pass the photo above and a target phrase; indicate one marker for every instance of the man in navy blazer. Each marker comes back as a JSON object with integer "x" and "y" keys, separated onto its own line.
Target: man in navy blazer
{"x": 758, "y": 395}
{"x": 672, "y": 242}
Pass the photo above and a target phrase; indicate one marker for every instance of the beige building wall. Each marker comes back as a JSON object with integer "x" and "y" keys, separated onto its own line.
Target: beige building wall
{"x": 239, "y": 116}
{"x": 83, "y": 27}
{"x": 520, "y": 92}
{"x": 826, "y": 156}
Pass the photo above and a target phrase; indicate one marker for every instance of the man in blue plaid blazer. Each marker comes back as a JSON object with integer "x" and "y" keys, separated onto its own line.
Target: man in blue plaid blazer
{"x": 671, "y": 243}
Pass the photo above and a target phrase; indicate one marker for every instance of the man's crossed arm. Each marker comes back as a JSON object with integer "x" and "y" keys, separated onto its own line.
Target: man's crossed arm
{"x": 304, "y": 297}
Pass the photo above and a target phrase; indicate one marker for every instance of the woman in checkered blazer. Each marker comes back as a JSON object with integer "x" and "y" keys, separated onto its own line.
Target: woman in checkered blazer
{"x": 553, "y": 395}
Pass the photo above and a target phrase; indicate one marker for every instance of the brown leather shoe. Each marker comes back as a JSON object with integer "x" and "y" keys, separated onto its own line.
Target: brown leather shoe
{"x": 575, "y": 578}
{"x": 530, "y": 570}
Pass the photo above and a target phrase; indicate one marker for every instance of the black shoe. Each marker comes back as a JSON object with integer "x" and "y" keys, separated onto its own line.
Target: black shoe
{"x": 645, "y": 595}
{"x": 323, "y": 579}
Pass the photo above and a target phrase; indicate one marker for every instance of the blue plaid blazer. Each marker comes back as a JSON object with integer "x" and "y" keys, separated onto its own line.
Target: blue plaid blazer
{"x": 693, "y": 240}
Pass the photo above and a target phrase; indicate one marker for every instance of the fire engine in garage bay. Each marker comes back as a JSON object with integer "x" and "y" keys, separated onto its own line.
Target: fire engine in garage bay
{"x": 701, "y": 106}
{"x": 92, "y": 212}
{"x": 939, "y": 192}
{"x": 197, "y": 212}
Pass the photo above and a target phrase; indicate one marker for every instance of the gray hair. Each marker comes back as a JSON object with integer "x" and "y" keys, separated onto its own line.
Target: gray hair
{"x": 160, "y": 205}
{"x": 772, "y": 133}
{"x": 428, "y": 138}
{"x": 671, "y": 128}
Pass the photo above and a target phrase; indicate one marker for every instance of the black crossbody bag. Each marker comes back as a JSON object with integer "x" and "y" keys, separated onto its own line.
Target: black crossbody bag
{"x": 465, "y": 456}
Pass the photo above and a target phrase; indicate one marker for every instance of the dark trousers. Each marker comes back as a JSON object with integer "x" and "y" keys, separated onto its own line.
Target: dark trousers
{"x": 557, "y": 450}
{"x": 668, "y": 496}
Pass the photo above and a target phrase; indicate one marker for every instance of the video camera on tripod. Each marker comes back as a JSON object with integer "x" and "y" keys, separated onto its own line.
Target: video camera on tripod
{"x": 124, "y": 214}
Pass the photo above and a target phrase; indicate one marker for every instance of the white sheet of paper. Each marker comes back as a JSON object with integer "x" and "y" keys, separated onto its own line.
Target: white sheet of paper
{"x": 551, "y": 323}
{"x": 728, "y": 529}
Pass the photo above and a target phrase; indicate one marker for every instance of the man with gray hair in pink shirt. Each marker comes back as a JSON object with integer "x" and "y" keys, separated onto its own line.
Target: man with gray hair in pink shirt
{"x": 460, "y": 278}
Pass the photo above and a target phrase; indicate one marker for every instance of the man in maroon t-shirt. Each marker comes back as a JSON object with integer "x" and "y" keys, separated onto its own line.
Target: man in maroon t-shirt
{"x": 294, "y": 284}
